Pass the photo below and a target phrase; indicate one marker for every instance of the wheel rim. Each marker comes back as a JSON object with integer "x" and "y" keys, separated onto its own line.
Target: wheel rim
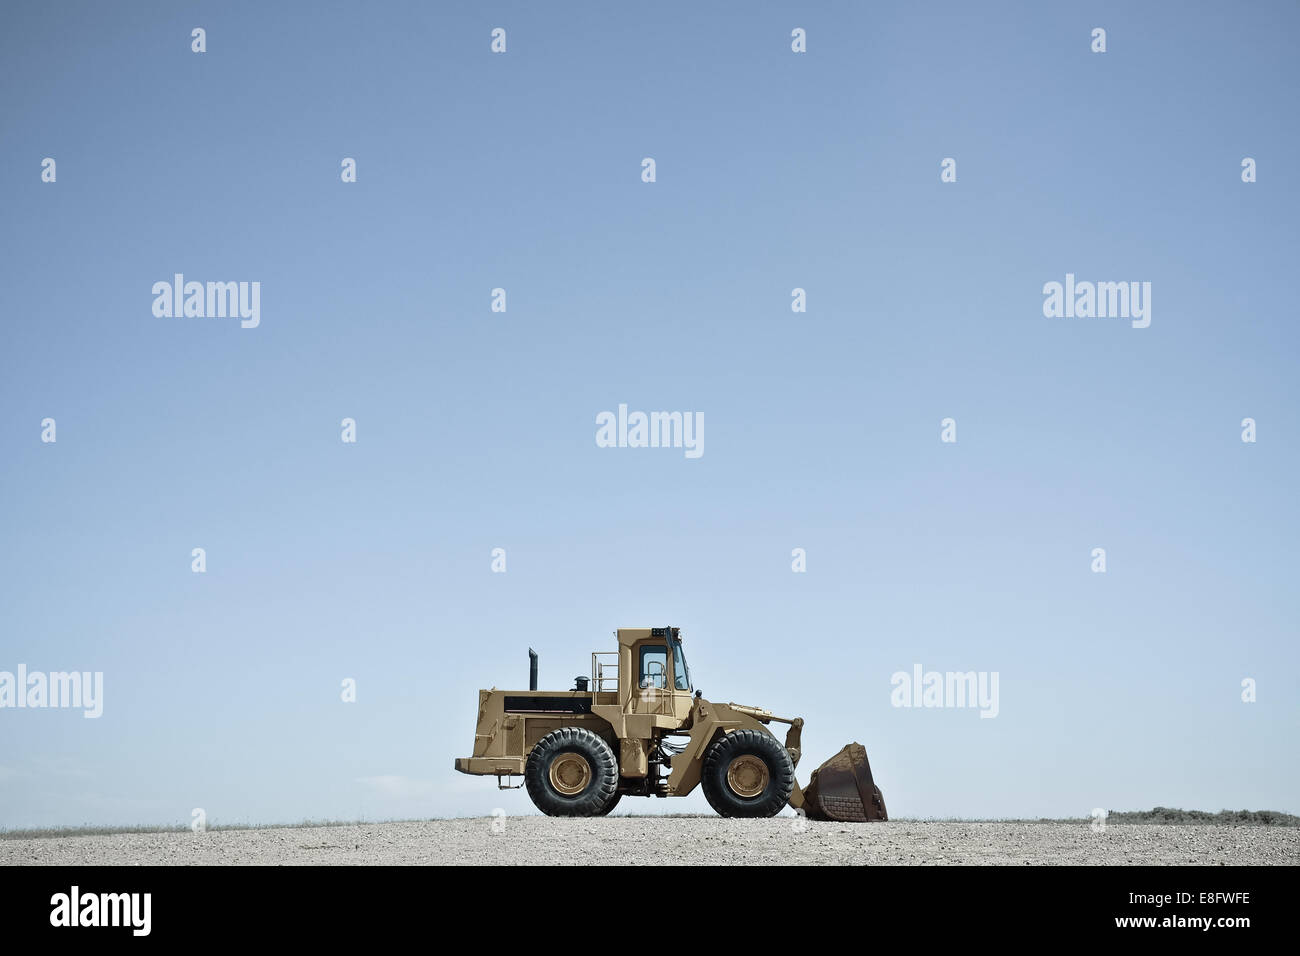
{"x": 570, "y": 774}
{"x": 747, "y": 776}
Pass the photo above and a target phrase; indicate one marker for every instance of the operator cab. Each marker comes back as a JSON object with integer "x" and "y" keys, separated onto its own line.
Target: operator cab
{"x": 661, "y": 663}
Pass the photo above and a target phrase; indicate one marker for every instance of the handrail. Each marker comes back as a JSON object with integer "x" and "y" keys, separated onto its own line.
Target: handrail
{"x": 598, "y": 678}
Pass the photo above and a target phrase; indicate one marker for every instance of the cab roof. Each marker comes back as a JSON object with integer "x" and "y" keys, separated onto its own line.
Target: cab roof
{"x": 630, "y": 635}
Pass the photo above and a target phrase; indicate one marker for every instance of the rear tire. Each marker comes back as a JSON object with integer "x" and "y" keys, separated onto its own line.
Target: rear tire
{"x": 572, "y": 773}
{"x": 747, "y": 774}
{"x": 613, "y": 802}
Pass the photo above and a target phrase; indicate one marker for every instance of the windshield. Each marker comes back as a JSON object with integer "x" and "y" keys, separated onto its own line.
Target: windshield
{"x": 681, "y": 674}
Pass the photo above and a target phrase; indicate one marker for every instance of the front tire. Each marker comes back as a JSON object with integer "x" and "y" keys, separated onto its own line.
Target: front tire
{"x": 572, "y": 773}
{"x": 747, "y": 774}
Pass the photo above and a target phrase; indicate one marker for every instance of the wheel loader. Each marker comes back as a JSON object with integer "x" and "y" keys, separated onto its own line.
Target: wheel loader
{"x": 635, "y": 726}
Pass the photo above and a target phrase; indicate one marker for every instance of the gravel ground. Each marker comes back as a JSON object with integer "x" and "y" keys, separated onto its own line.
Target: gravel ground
{"x": 673, "y": 840}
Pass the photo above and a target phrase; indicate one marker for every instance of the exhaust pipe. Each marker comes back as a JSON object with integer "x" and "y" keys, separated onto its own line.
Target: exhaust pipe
{"x": 532, "y": 669}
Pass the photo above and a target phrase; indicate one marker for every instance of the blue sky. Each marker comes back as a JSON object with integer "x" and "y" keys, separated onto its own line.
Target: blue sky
{"x": 476, "y": 429}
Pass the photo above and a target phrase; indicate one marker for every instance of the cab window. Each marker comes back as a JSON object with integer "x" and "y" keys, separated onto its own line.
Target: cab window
{"x": 681, "y": 675}
{"x": 654, "y": 666}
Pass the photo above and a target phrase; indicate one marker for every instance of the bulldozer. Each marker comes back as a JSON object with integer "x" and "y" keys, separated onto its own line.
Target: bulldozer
{"x": 636, "y": 726}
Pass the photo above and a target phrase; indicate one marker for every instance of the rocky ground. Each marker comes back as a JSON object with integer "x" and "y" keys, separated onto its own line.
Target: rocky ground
{"x": 626, "y": 841}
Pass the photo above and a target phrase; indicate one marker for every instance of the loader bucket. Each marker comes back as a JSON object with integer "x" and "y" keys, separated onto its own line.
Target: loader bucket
{"x": 842, "y": 789}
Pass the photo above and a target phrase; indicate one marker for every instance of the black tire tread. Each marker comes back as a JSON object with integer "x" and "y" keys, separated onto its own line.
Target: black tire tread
{"x": 596, "y": 798}
{"x": 779, "y": 766}
{"x": 613, "y": 802}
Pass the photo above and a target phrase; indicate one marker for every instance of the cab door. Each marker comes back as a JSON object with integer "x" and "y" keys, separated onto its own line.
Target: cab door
{"x": 652, "y": 677}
